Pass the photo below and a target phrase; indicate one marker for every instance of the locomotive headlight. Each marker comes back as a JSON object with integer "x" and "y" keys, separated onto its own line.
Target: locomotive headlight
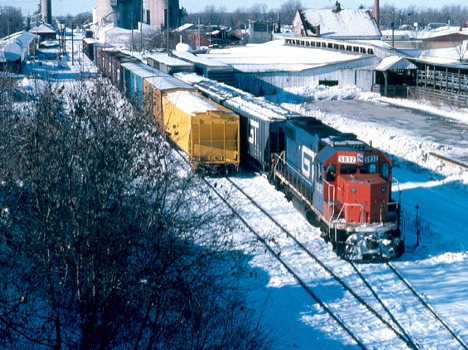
{"x": 353, "y": 190}
{"x": 383, "y": 189}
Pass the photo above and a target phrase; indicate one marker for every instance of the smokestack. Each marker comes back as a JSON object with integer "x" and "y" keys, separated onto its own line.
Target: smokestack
{"x": 46, "y": 11}
{"x": 376, "y": 12}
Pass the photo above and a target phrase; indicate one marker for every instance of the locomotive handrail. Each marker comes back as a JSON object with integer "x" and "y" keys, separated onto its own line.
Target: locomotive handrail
{"x": 331, "y": 203}
{"x": 399, "y": 190}
{"x": 345, "y": 205}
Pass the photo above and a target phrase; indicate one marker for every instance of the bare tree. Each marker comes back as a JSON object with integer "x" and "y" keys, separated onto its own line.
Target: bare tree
{"x": 106, "y": 242}
{"x": 289, "y": 9}
{"x": 11, "y": 20}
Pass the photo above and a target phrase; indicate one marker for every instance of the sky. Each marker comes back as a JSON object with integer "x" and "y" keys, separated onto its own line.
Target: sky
{"x": 64, "y": 7}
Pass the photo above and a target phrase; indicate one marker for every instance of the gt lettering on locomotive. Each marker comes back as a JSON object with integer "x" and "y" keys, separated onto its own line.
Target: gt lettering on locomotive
{"x": 308, "y": 157}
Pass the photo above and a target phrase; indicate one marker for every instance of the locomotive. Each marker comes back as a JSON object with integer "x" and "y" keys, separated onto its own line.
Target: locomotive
{"x": 344, "y": 184}
{"x": 338, "y": 181}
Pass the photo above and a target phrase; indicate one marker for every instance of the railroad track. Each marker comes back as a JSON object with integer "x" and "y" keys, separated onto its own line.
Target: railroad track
{"x": 406, "y": 303}
{"x": 375, "y": 311}
{"x": 352, "y": 313}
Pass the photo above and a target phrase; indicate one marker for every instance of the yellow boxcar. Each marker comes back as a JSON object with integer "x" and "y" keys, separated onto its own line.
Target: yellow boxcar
{"x": 208, "y": 132}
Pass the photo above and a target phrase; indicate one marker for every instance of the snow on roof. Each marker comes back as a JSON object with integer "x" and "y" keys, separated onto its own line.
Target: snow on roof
{"x": 167, "y": 82}
{"x": 164, "y": 58}
{"x": 394, "y": 63}
{"x": 452, "y": 55}
{"x": 272, "y": 68}
{"x": 275, "y": 56}
{"x": 44, "y": 28}
{"x": 118, "y": 31}
{"x": 261, "y": 109}
{"x": 141, "y": 69}
{"x": 191, "y": 102}
{"x": 184, "y": 27}
{"x": 201, "y": 59}
{"x": 343, "y": 24}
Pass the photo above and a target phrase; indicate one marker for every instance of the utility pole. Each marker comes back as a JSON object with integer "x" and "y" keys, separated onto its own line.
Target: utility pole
{"x": 167, "y": 26}
{"x": 199, "y": 33}
{"x": 73, "y": 50}
{"x": 417, "y": 225}
{"x": 141, "y": 25}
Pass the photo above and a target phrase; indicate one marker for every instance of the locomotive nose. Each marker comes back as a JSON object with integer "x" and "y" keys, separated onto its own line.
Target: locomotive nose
{"x": 367, "y": 198}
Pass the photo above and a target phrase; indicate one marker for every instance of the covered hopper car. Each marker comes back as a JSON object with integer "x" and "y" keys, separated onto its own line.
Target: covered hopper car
{"x": 206, "y": 131}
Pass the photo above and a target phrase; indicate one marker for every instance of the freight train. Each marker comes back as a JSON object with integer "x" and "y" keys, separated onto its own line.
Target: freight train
{"x": 336, "y": 180}
{"x": 206, "y": 131}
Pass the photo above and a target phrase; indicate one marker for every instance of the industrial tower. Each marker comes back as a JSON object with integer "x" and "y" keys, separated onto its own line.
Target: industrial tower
{"x": 127, "y": 13}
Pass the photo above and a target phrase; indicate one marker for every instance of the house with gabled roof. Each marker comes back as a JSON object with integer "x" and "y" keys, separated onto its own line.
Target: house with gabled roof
{"x": 337, "y": 23}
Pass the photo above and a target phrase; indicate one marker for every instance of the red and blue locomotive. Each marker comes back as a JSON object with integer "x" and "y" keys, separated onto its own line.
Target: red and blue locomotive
{"x": 344, "y": 184}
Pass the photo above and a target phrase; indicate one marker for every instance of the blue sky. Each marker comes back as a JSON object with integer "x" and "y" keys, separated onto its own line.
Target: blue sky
{"x": 63, "y": 7}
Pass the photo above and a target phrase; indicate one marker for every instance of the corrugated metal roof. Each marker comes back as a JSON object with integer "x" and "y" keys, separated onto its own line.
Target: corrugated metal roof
{"x": 343, "y": 24}
{"x": 200, "y": 60}
{"x": 394, "y": 63}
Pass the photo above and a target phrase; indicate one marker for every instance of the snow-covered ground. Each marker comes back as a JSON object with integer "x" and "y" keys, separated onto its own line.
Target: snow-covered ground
{"x": 437, "y": 268}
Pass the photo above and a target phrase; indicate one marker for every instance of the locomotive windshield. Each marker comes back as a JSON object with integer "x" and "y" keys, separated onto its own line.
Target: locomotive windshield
{"x": 348, "y": 169}
{"x": 368, "y": 168}
{"x": 385, "y": 170}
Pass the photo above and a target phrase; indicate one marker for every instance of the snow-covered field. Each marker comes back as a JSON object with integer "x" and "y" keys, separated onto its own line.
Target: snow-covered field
{"x": 437, "y": 268}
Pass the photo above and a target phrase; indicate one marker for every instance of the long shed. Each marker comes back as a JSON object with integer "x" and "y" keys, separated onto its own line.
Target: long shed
{"x": 209, "y": 68}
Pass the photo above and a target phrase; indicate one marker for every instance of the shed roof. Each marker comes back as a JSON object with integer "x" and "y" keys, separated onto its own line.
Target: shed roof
{"x": 202, "y": 60}
{"x": 275, "y": 56}
{"x": 44, "y": 28}
{"x": 342, "y": 24}
{"x": 394, "y": 63}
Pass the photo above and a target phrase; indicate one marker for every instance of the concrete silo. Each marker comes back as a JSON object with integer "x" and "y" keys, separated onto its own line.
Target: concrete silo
{"x": 162, "y": 13}
{"x": 46, "y": 11}
{"x": 123, "y": 13}
{"x": 127, "y": 13}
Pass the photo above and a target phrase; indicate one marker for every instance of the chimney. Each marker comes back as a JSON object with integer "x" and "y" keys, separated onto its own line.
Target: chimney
{"x": 376, "y": 12}
{"x": 317, "y": 31}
